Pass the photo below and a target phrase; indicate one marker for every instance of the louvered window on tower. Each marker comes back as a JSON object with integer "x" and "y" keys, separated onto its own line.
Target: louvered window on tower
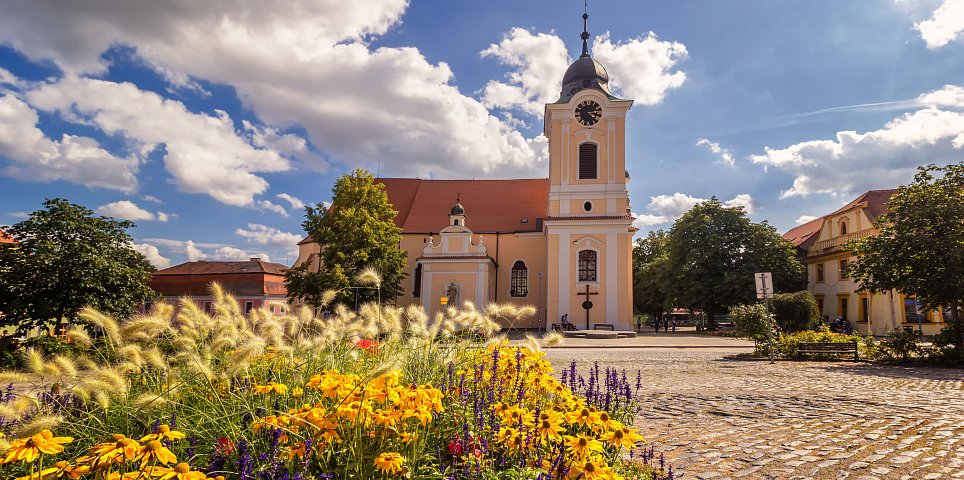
{"x": 587, "y": 161}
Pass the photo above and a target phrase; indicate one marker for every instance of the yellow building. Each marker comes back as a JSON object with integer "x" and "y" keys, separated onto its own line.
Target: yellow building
{"x": 820, "y": 245}
{"x": 562, "y": 244}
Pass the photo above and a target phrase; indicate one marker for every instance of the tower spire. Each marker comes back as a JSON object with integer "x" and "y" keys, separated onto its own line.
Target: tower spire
{"x": 585, "y": 30}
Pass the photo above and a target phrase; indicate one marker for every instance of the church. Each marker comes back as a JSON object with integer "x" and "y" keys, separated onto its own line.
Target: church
{"x": 562, "y": 244}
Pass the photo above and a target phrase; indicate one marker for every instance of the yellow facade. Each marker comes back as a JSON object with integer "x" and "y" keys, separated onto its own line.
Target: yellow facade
{"x": 838, "y": 295}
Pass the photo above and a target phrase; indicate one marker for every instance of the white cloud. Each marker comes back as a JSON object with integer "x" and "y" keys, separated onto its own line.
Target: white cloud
{"x": 725, "y": 157}
{"x": 538, "y": 62}
{"x": 945, "y": 25}
{"x": 35, "y": 158}
{"x": 285, "y": 143}
{"x": 21, "y": 215}
{"x": 272, "y": 207}
{"x": 232, "y": 254}
{"x": 948, "y": 96}
{"x": 304, "y": 64}
{"x": 151, "y": 198}
{"x": 742, "y": 200}
{"x": 264, "y": 235}
{"x": 884, "y": 158}
{"x": 127, "y": 210}
{"x": 295, "y": 202}
{"x": 152, "y": 254}
{"x": 667, "y": 208}
{"x": 163, "y": 217}
{"x": 203, "y": 153}
{"x": 804, "y": 219}
{"x": 193, "y": 253}
{"x": 641, "y": 68}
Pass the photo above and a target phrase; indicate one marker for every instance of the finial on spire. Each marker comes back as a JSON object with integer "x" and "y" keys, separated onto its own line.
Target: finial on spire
{"x": 458, "y": 197}
{"x": 585, "y": 30}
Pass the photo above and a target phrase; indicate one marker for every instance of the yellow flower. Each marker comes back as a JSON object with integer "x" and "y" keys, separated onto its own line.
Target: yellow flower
{"x": 156, "y": 450}
{"x": 280, "y": 388}
{"x": 583, "y": 416}
{"x": 28, "y": 449}
{"x": 297, "y": 392}
{"x": 181, "y": 471}
{"x": 390, "y": 463}
{"x": 623, "y": 436}
{"x": 582, "y": 445}
{"x": 119, "y": 450}
{"x": 592, "y": 470}
{"x": 163, "y": 432}
{"x": 60, "y": 470}
{"x": 548, "y": 426}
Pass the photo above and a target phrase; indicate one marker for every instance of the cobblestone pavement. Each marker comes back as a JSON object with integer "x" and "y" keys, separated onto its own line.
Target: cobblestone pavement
{"x": 716, "y": 418}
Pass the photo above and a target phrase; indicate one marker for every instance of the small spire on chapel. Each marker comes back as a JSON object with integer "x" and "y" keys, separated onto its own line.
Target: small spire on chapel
{"x": 585, "y": 31}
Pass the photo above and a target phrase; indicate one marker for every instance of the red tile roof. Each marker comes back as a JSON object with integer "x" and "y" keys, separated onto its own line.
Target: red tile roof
{"x": 876, "y": 202}
{"x": 875, "y": 205}
{"x": 4, "y": 238}
{"x": 808, "y": 231}
{"x": 490, "y": 205}
{"x": 220, "y": 268}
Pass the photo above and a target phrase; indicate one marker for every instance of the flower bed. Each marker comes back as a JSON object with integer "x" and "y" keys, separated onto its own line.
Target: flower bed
{"x": 178, "y": 394}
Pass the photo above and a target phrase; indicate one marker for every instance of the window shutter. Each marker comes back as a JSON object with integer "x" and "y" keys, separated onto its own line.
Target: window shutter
{"x": 587, "y": 161}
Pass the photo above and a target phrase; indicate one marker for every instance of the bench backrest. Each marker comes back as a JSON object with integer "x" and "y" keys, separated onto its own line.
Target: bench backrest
{"x": 828, "y": 346}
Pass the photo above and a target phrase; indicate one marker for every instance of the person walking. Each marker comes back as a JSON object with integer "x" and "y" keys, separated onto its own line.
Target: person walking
{"x": 666, "y": 325}
{"x": 656, "y": 324}
{"x": 674, "y": 325}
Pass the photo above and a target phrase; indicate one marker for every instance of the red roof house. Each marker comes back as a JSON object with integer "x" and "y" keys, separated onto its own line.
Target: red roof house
{"x": 253, "y": 282}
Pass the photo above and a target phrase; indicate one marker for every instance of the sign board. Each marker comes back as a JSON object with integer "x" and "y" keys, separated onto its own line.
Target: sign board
{"x": 764, "y": 285}
{"x": 444, "y": 300}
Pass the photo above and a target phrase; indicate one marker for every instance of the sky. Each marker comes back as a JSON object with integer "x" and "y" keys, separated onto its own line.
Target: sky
{"x": 211, "y": 124}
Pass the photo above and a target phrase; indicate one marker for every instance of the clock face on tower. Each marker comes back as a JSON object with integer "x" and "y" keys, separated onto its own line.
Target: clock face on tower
{"x": 588, "y": 112}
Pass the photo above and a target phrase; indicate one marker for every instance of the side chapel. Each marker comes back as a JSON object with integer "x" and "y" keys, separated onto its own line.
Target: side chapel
{"x": 562, "y": 244}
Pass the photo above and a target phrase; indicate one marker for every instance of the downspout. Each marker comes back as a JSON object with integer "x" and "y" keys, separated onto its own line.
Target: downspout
{"x": 496, "y": 282}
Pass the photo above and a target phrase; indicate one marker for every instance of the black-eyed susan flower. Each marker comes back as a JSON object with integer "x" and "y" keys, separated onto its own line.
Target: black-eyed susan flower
{"x": 582, "y": 445}
{"x": 181, "y": 471}
{"x": 155, "y": 450}
{"x": 590, "y": 469}
{"x": 390, "y": 463}
{"x": 28, "y": 449}
{"x": 163, "y": 432}
{"x": 623, "y": 437}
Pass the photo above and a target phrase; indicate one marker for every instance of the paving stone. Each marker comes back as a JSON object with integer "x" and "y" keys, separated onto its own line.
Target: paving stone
{"x": 785, "y": 421}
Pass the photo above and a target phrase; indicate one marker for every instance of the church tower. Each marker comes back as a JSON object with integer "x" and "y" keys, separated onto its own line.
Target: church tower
{"x": 589, "y": 225}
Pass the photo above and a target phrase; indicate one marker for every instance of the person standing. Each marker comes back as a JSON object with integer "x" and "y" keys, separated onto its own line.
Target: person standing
{"x": 656, "y": 324}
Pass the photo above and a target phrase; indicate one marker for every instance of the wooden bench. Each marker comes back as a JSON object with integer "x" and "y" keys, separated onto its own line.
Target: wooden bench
{"x": 603, "y": 326}
{"x": 828, "y": 347}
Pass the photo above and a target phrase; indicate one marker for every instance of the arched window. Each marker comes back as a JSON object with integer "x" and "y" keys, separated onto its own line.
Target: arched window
{"x": 519, "y": 282}
{"x": 417, "y": 287}
{"x": 587, "y": 265}
{"x": 587, "y": 161}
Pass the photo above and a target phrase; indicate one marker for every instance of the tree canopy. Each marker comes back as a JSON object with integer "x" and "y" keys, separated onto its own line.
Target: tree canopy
{"x": 65, "y": 259}
{"x": 650, "y": 295}
{"x": 920, "y": 248}
{"x": 355, "y": 232}
{"x": 714, "y": 250}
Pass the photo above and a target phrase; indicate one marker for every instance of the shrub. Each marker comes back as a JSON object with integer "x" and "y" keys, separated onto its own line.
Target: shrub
{"x": 787, "y": 345}
{"x": 795, "y": 312}
{"x": 749, "y": 321}
{"x": 384, "y": 392}
{"x": 901, "y": 344}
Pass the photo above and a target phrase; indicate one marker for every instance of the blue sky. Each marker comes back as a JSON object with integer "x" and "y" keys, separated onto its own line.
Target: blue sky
{"x": 211, "y": 123}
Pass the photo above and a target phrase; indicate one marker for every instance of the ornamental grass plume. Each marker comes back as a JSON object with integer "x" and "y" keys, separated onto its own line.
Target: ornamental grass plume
{"x": 280, "y": 392}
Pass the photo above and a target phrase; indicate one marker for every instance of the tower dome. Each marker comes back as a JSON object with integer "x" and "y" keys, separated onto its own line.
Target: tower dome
{"x": 585, "y": 72}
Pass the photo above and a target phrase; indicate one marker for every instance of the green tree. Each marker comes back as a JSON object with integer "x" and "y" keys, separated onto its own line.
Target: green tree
{"x": 66, "y": 259}
{"x": 713, "y": 252}
{"x": 356, "y": 232}
{"x": 650, "y": 295}
{"x": 795, "y": 311}
{"x": 920, "y": 248}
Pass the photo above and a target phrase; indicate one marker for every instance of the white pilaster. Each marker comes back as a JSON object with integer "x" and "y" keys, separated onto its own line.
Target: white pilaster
{"x": 565, "y": 283}
{"x": 611, "y": 290}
